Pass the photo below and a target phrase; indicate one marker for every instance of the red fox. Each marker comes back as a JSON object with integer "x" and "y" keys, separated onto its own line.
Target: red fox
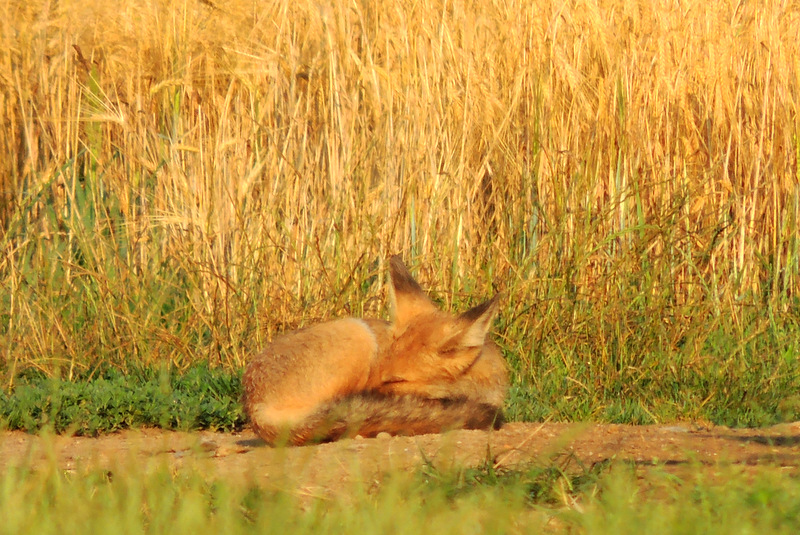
{"x": 423, "y": 372}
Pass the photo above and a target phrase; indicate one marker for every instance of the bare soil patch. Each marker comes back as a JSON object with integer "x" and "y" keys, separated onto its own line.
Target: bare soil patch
{"x": 320, "y": 468}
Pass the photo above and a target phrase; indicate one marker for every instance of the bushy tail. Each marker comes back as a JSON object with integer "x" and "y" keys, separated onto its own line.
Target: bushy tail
{"x": 368, "y": 414}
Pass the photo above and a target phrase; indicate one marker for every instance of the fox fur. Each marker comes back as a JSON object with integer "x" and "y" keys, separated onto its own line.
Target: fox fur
{"x": 425, "y": 371}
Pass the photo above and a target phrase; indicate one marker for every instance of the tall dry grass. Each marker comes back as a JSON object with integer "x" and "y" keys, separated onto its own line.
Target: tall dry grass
{"x": 181, "y": 179}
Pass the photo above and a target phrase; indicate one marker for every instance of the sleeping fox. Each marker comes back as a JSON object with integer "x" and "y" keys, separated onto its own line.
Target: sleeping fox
{"x": 424, "y": 371}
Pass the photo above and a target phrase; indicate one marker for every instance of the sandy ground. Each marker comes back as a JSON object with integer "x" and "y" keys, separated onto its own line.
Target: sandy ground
{"x": 244, "y": 457}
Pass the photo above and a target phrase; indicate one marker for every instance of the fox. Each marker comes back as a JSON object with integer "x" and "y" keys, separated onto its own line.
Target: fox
{"x": 423, "y": 371}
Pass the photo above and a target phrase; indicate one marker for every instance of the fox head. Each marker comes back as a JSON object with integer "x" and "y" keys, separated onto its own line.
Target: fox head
{"x": 429, "y": 347}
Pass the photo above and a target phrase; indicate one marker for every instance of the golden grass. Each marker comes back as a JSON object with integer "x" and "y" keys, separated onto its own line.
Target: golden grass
{"x": 273, "y": 154}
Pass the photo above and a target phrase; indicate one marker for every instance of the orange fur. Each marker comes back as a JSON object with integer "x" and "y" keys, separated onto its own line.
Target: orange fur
{"x": 424, "y": 371}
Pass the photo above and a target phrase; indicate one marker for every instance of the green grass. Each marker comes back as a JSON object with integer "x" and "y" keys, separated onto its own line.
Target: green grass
{"x": 199, "y": 398}
{"x": 754, "y": 383}
{"x": 730, "y": 502}
{"x": 631, "y": 370}
{"x": 615, "y": 499}
{"x": 184, "y": 181}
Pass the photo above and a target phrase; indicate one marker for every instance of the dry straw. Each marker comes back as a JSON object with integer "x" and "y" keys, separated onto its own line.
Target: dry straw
{"x": 261, "y": 159}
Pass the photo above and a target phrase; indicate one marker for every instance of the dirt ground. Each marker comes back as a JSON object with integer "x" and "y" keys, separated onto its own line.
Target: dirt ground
{"x": 320, "y": 468}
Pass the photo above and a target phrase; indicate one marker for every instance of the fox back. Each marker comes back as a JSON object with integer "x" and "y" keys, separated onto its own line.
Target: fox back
{"x": 424, "y": 371}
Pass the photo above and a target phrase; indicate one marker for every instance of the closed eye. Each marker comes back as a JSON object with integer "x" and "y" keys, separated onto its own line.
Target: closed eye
{"x": 394, "y": 380}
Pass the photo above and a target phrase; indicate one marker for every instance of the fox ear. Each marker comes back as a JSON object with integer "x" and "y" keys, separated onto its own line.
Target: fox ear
{"x": 476, "y": 323}
{"x": 406, "y": 296}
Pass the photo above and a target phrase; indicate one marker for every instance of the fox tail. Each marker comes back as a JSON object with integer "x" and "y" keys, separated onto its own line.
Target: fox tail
{"x": 367, "y": 414}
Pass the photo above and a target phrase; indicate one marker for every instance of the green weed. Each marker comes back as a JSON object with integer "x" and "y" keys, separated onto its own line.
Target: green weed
{"x": 182, "y": 182}
{"x": 200, "y": 398}
{"x": 617, "y": 499}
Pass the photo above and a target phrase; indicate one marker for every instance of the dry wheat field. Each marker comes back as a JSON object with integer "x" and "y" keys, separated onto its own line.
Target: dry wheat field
{"x": 181, "y": 180}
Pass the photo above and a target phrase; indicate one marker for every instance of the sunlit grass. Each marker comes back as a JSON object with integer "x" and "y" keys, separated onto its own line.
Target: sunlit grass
{"x": 616, "y": 499}
{"x": 180, "y": 181}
